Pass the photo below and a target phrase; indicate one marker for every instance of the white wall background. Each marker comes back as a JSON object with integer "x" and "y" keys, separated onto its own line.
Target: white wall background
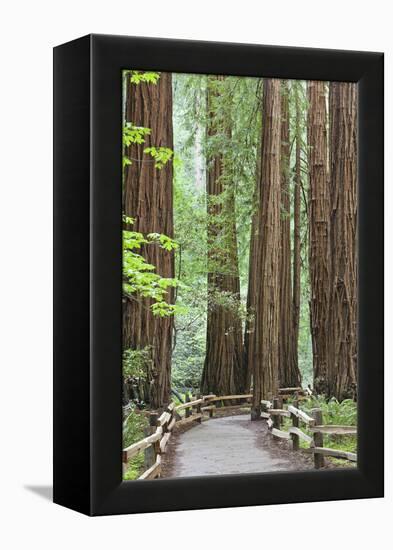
{"x": 29, "y": 30}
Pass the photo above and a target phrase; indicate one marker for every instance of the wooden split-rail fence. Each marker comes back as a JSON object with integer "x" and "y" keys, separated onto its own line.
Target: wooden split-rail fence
{"x": 161, "y": 427}
{"x": 275, "y": 411}
{"x": 193, "y": 410}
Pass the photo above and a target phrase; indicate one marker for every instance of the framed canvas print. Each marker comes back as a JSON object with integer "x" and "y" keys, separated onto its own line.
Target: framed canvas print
{"x": 218, "y": 275}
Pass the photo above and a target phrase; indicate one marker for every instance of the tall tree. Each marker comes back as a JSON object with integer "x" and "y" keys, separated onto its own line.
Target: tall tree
{"x": 289, "y": 375}
{"x": 148, "y": 199}
{"x": 223, "y": 370}
{"x": 319, "y": 215}
{"x": 342, "y": 356}
{"x": 264, "y": 256}
{"x": 249, "y": 326}
{"x": 296, "y": 229}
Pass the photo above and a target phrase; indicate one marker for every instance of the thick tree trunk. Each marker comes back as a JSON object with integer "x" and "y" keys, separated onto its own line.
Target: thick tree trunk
{"x": 289, "y": 375}
{"x": 148, "y": 198}
{"x": 319, "y": 214}
{"x": 342, "y": 363}
{"x": 223, "y": 371}
{"x": 264, "y": 265}
{"x": 296, "y": 233}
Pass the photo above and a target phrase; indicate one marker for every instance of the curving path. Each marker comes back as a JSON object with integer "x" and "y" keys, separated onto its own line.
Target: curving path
{"x": 229, "y": 445}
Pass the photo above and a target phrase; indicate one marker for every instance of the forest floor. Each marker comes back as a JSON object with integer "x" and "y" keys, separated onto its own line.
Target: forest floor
{"x": 229, "y": 445}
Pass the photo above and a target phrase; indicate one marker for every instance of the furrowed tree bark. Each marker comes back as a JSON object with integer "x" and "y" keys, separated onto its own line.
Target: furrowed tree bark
{"x": 342, "y": 357}
{"x": 265, "y": 263}
{"x": 148, "y": 198}
{"x": 296, "y": 233}
{"x": 289, "y": 375}
{"x": 319, "y": 215}
{"x": 223, "y": 371}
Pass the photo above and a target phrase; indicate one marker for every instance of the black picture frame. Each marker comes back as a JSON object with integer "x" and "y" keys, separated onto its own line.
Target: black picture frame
{"x": 87, "y": 275}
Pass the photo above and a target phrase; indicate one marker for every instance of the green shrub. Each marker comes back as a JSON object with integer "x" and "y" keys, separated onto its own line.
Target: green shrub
{"x": 136, "y": 361}
{"x": 133, "y": 431}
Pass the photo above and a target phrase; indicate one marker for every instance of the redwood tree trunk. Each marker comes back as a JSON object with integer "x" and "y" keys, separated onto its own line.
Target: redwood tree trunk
{"x": 148, "y": 198}
{"x": 319, "y": 214}
{"x": 249, "y": 329}
{"x": 223, "y": 371}
{"x": 342, "y": 365}
{"x": 296, "y": 233}
{"x": 264, "y": 264}
{"x": 289, "y": 375}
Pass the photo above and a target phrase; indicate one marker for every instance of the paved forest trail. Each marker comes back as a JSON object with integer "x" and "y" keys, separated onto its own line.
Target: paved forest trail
{"x": 229, "y": 445}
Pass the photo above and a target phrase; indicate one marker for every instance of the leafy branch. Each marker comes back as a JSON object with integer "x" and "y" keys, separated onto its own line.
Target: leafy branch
{"x": 140, "y": 278}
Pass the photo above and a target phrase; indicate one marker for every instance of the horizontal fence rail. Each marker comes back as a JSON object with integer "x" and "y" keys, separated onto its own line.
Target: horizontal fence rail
{"x": 193, "y": 410}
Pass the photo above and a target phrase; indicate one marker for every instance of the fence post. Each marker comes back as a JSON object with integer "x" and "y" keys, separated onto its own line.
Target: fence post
{"x": 280, "y": 405}
{"x": 150, "y": 452}
{"x": 295, "y": 423}
{"x": 199, "y": 408}
{"x": 188, "y": 410}
{"x": 319, "y": 460}
{"x": 276, "y": 418}
{"x": 211, "y": 411}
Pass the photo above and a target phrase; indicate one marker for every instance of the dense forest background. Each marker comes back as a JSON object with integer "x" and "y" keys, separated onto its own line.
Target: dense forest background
{"x": 239, "y": 237}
